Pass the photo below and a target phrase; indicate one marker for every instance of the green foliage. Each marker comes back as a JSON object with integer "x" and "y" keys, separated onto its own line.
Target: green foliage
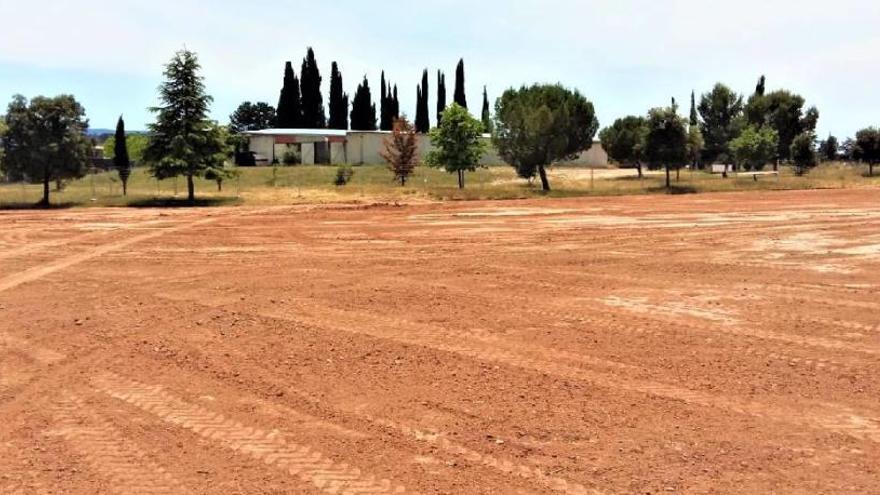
{"x": 289, "y": 115}
{"x": 459, "y": 96}
{"x": 457, "y": 143}
{"x": 829, "y": 148}
{"x": 338, "y": 100}
{"x": 182, "y": 140}
{"x": 136, "y": 144}
{"x": 721, "y": 111}
{"x": 624, "y": 140}
{"x": 867, "y": 147}
{"x": 542, "y": 124}
{"x": 44, "y": 141}
{"x": 313, "y": 116}
{"x": 252, "y": 117}
{"x": 666, "y": 143}
{"x": 120, "y": 156}
{"x": 441, "y": 96}
{"x": 695, "y": 144}
{"x": 291, "y": 157}
{"x": 385, "y": 120}
{"x": 363, "y": 110}
{"x": 755, "y": 147}
{"x": 486, "y": 114}
{"x": 783, "y": 111}
{"x": 423, "y": 120}
{"x": 222, "y": 174}
{"x": 803, "y": 152}
{"x": 694, "y": 119}
{"x": 344, "y": 173}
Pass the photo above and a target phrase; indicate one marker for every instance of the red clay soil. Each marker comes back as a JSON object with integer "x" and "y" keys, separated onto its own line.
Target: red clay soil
{"x": 690, "y": 344}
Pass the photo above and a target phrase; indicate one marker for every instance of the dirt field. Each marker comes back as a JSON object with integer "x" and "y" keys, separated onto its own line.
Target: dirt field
{"x": 692, "y": 344}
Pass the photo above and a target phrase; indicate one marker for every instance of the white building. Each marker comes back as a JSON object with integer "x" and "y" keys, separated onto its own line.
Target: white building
{"x": 330, "y": 146}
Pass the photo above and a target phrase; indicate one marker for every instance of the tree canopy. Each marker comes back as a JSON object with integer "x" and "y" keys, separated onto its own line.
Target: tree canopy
{"x": 829, "y": 148}
{"x": 538, "y": 125}
{"x": 803, "y": 152}
{"x": 441, "y": 95}
{"x": 120, "y": 156}
{"x": 289, "y": 115}
{"x": 401, "y": 150}
{"x": 721, "y": 112}
{"x": 363, "y": 110}
{"x": 423, "y": 119}
{"x": 457, "y": 144}
{"x": 182, "y": 140}
{"x": 624, "y": 140}
{"x": 755, "y": 147}
{"x": 45, "y": 140}
{"x": 459, "y": 96}
{"x": 338, "y": 100}
{"x": 867, "y": 147}
{"x": 252, "y": 117}
{"x": 486, "y": 115}
{"x": 313, "y": 116}
{"x": 666, "y": 143}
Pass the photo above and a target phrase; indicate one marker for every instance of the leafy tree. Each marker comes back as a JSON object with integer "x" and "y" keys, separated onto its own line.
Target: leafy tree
{"x": 829, "y": 148}
{"x": 441, "y": 95}
{"x": 289, "y": 115}
{"x": 487, "y": 114}
{"x": 120, "y": 156}
{"x": 848, "y": 149}
{"x": 136, "y": 144}
{"x": 458, "y": 147}
{"x": 459, "y": 96}
{"x": 867, "y": 147}
{"x": 624, "y": 141}
{"x": 721, "y": 111}
{"x": 694, "y": 119}
{"x": 696, "y": 143}
{"x": 423, "y": 120}
{"x": 542, "y": 124}
{"x": 401, "y": 150}
{"x": 45, "y": 141}
{"x": 252, "y": 117}
{"x": 313, "y": 116}
{"x": 182, "y": 140}
{"x": 784, "y": 112}
{"x": 803, "y": 152}
{"x": 666, "y": 143}
{"x": 338, "y": 100}
{"x": 755, "y": 147}
{"x": 363, "y": 110}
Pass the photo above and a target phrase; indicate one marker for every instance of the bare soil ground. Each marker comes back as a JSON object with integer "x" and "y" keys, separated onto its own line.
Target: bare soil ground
{"x": 702, "y": 344}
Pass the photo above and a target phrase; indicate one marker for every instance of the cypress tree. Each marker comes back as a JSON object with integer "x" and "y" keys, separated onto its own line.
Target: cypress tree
{"x": 385, "y": 106}
{"x": 486, "y": 115}
{"x": 313, "y": 116}
{"x": 120, "y": 157}
{"x": 419, "y": 117}
{"x": 396, "y": 106}
{"x": 423, "y": 119}
{"x": 761, "y": 87}
{"x": 363, "y": 110}
{"x": 338, "y": 100}
{"x": 289, "y": 104}
{"x": 441, "y": 96}
{"x": 460, "y": 97}
{"x": 694, "y": 120}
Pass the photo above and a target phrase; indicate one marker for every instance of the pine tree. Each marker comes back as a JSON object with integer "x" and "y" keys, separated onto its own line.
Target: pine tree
{"x": 486, "y": 115}
{"x": 289, "y": 104}
{"x": 460, "y": 97}
{"x": 363, "y": 110}
{"x": 313, "y": 116}
{"x": 385, "y": 103}
{"x": 120, "y": 156}
{"x": 423, "y": 119}
{"x": 694, "y": 120}
{"x": 761, "y": 87}
{"x": 441, "y": 96}
{"x": 338, "y": 101}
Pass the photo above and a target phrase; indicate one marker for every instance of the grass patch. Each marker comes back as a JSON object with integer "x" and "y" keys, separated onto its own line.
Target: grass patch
{"x": 374, "y": 183}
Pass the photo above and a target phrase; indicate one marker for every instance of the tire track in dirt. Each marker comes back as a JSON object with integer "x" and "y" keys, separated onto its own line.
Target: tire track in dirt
{"x": 839, "y": 419}
{"x": 124, "y": 464}
{"x": 301, "y": 461}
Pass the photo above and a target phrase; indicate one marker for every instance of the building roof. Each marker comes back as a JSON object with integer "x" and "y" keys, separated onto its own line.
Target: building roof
{"x": 298, "y": 132}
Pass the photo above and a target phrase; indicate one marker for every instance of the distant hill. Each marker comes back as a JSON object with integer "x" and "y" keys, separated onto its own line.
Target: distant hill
{"x": 109, "y": 132}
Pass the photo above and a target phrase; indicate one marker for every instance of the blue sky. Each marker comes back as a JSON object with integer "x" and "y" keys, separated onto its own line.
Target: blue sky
{"x": 626, "y": 56}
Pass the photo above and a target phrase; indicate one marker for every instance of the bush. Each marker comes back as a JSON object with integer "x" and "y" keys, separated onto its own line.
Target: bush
{"x": 344, "y": 174}
{"x": 291, "y": 158}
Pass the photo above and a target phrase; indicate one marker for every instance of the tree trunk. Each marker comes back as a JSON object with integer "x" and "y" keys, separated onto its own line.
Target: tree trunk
{"x": 871, "y": 169}
{"x": 639, "y": 166}
{"x": 45, "y": 200}
{"x": 190, "y": 189}
{"x": 461, "y": 179}
{"x": 402, "y": 181}
{"x": 125, "y": 187}
{"x": 219, "y": 186}
{"x": 545, "y": 184}
{"x": 677, "y": 174}
{"x": 668, "y": 183}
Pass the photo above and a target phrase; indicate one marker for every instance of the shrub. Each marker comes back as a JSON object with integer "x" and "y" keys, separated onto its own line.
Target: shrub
{"x": 344, "y": 174}
{"x": 291, "y": 157}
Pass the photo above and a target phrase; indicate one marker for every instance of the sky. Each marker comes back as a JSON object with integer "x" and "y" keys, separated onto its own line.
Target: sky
{"x": 625, "y": 56}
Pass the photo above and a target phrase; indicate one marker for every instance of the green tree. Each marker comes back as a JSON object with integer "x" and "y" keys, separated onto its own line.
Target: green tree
{"x": 313, "y": 116}
{"x": 867, "y": 147}
{"x": 289, "y": 115}
{"x": 441, "y": 95}
{"x": 624, "y": 141}
{"x": 666, "y": 143}
{"x": 694, "y": 119}
{"x": 486, "y": 114}
{"x": 338, "y": 100}
{"x": 385, "y": 103}
{"x": 252, "y": 117}
{"x": 45, "y": 141}
{"x": 785, "y": 113}
{"x": 459, "y": 96}
{"x": 423, "y": 119}
{"x": 539, "y": 125}
{"x": 182, "y": 140}
{"x": 363, "y": 110}
{"x": 829, "y": 148}
{"x": 696, "y": 143}
{"x": 134, "y": 143}
{"x": 755, "y": 147}
{"x": 803, "y": 152}
{"x": 721, "y": 112}
{"x": 120, "y": 156}
{"x": 457, "y": 144}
